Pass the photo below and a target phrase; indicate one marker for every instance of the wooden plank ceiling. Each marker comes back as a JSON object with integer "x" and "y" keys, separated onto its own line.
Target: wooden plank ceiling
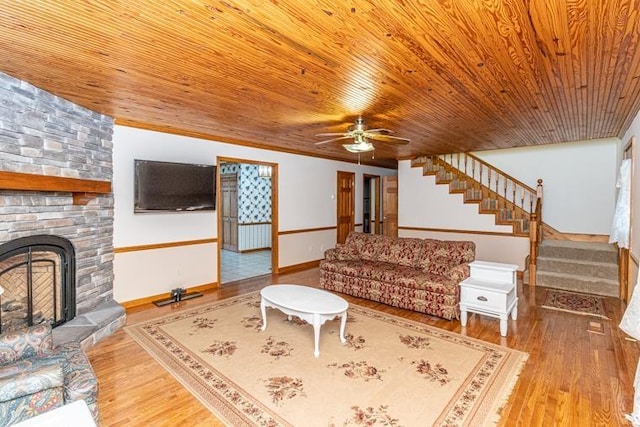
{"x": 450, "y": 75}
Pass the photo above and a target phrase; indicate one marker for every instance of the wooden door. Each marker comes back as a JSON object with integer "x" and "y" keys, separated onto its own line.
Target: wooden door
{"x": 390, "y": 206}
{"x": 346, "y": 204}
{"x": 229, "y": 199}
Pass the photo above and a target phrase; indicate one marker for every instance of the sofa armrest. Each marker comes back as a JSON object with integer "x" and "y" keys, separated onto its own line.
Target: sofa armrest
{"x": 458, "y": 272}
{"x": 341, "y": 253}
{"x": 27, "y": 343}
{"x": 31, "y": 381}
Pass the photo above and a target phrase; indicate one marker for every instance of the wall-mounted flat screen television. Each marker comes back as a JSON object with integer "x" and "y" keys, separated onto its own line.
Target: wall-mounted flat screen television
{"x": 167, "y": 186}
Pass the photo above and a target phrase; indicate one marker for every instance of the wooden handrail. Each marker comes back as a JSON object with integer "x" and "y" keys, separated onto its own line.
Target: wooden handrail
{"x": 509, "y": 177}
{"x": 510, "y": 192}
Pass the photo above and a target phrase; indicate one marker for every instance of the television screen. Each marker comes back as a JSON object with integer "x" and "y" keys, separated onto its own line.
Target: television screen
{"x": 165, "y": 186}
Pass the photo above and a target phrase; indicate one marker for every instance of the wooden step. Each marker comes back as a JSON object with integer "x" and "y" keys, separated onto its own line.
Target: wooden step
{"x": 589, "y": 267}
{"x": 489, "y": 204}
{"x": 418, "y": 162}
{"x": 472, "y": 195}
{"x": 458, "y": 185}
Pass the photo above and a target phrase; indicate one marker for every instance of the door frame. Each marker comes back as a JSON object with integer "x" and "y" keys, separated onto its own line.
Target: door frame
{"x": 274, "y": 210}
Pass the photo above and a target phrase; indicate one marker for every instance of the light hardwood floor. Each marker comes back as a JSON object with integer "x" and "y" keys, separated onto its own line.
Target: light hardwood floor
{"x": 573, "y": 377}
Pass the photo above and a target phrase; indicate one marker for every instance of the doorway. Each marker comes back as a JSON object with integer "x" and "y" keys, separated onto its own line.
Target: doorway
{"x": 371, "y": 205}
{"x": 247, "y": 219}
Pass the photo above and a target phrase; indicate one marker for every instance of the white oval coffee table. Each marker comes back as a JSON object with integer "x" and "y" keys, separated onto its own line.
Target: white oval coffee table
{"x": 315, "y": 306}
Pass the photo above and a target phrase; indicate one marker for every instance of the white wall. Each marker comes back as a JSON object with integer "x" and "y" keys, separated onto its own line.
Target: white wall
{"x": 306, "y": 196}
{"x": 424, "y": 204}
{"x": 579, "y": 181}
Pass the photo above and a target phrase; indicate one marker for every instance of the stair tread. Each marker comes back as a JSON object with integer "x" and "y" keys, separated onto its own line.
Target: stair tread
{"x": 576, "y": 277}
{"x": 596, "y": 246}
{"x": 577, "y": 261}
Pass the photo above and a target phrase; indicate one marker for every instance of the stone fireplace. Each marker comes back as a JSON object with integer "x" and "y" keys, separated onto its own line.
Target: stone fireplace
{"x": 55, "y": 185}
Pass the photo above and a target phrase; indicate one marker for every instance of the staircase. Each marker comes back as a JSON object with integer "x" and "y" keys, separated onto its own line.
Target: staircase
{"x": 510, "y": 201}
{"x": 580, "y": 266}
{"x": 588, "y": 267}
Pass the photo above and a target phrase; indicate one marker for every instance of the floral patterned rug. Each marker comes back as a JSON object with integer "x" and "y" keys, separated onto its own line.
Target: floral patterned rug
{"x": 585, "y": 304}
{"x": 391, "y": 371}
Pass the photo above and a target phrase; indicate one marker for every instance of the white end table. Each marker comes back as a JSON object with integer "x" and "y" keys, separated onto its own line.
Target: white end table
{"x": 490, "y": 290}
{"x": 75, "y": 414}
{"x": 315, "y": 306}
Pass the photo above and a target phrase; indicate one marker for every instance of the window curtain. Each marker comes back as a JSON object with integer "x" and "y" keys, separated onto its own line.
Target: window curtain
{"x": 620, "y": 231}
{"x": 620, "y": 227}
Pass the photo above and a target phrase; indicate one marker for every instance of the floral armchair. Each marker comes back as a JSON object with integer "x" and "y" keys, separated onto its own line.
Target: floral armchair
{"x": 35, "y": 377}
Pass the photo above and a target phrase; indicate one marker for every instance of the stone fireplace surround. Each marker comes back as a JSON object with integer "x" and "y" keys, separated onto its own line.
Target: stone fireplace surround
{"x": 46, "y": 144}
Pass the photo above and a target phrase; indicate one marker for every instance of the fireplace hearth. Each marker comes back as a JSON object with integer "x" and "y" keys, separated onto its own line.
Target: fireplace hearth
{"x": 37, "y": 275}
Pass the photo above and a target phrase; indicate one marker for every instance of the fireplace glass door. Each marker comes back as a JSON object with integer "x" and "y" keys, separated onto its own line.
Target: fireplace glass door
{"x": 34, "y": 279}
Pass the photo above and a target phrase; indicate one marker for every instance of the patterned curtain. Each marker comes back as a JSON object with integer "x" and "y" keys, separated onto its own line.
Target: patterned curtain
{"x": 620, "y": 227}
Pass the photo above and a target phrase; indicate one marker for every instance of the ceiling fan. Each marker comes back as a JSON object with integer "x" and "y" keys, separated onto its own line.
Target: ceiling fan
{"x": 360, "y": 135}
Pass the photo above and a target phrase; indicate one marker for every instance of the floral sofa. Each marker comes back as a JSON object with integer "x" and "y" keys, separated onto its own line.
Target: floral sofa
{"x": 416, "y": 274}
{"x": 35, "y": 377}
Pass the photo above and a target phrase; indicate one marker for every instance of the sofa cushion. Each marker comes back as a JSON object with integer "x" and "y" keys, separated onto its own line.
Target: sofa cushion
{"x": 425, "y": 257}
{"x": 412, "y": 278}
{"x": 33, "y": 380}
{"x": 400, "y": 251}
{"x": 342, "y": 253}
{"x": 31, "y": 364}
{"x": 456, "y": 251}
{"x": 448, "y": 254}
{"x": 352, "y": 268}
{"x": 367, "y": 245}
{"x": 31, "y": 393}
{"x": 373, "y": 273}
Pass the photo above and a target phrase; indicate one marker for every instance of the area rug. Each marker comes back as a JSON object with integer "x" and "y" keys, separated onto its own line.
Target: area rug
{"x": 585, "y": 304}
{"x": 391, "y": 371}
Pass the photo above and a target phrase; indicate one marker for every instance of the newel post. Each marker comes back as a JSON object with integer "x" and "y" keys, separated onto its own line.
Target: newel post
{"x": 535, "y": 234}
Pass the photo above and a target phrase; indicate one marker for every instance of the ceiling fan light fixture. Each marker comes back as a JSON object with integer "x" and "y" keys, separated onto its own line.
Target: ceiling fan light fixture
{"x": 361, "y": 147}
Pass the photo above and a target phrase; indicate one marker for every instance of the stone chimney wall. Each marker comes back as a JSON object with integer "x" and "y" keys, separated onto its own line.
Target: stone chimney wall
{"x": 43, "y": 134}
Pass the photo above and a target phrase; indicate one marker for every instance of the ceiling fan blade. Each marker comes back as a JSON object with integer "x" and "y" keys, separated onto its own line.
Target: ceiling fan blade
{"x": 389, "y": 138}
{"x": 379, "y": 130}
{"x": 332, "y": 134}
{"x": 333, "y": 139}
